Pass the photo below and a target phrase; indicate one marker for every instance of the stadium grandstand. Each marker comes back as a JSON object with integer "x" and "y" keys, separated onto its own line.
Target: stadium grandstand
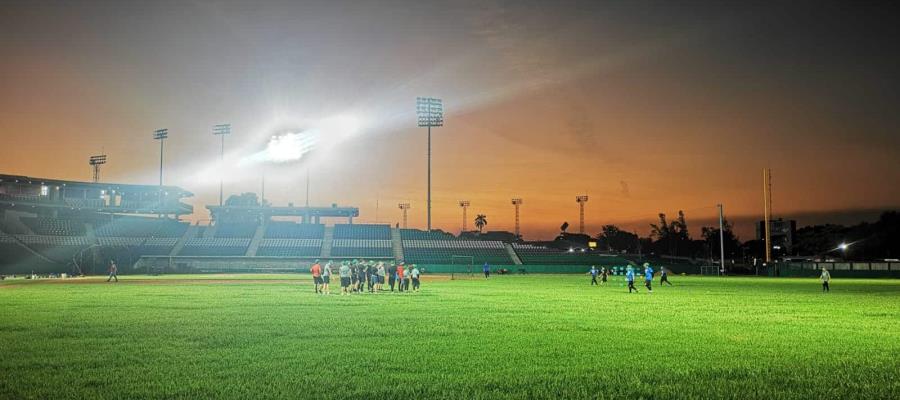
{"x": 56, "y": 226}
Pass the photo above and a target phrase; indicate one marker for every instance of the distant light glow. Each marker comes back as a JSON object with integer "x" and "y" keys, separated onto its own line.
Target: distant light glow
{"x": 843, "y": 246}
{"x": 289, "y": 147}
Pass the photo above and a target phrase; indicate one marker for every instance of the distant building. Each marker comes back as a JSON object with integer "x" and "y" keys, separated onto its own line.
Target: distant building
{"x": 783, "y": 234}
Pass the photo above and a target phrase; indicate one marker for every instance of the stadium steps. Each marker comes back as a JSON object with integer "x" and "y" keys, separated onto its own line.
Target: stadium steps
{"x": 327, "y": 242}
{"x": 257, "y": 239}
{"x": 12, "y": 224}
{"x": 189, "y": 233}
{"x": 397, "y": 244}
{"x": 512, "y": 254}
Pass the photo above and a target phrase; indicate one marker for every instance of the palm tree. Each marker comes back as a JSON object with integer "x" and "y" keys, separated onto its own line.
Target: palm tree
{"x": 480, "y": 222}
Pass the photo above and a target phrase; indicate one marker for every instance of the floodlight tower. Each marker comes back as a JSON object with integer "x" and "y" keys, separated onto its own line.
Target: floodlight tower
{"x": 161, "y": 135}
{"x": 430, "y": 112}
{"x": 465, "y": 206}
{"x": 404, "y": 207}
{"x": 517, "y": 202}
{"x": 581, "y": 200}
{"x": 221, "y": 131}
{"x": 96, "y": 162}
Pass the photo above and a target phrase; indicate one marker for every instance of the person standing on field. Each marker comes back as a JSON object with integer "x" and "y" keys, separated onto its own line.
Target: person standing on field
{"x": 663, "y": 276}
{"x": 380, "y": 272}
{"x": 400, "y": 272}
{"x": 486, "y": 269}
{"x": 344, "y": 273}
{"x": 648, "y": 277}
{"x": 593, "y": 273}
{"x": 326, "y": 278}
{"x": 316, "y": 271}
{"x": 392, "y": 276}
{"x": 415, "y": 278}
{"x": 114, "y": 271}
{"x": 825, "y": 277}
{"x": 604, "y": 273}
{"x": 629, "y": 277}
{"x": 407, "y": 277}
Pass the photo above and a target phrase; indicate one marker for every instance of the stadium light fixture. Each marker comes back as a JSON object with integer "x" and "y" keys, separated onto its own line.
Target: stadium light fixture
{"x": 161, "y": 135}
{"x": 404, "y": 207}
{"x": 95, "y": 163}
{"x": 465, "y": 206}
{"x": 581, "y": 200}
{"x": 221, "y": 131}
{"x": 430, "y": 112}
{"x": 843, "y": 246}
{"x": 517, "y": 202}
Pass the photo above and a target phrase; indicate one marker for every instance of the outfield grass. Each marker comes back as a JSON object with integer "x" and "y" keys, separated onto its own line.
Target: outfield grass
{"x": 270, "y": 336}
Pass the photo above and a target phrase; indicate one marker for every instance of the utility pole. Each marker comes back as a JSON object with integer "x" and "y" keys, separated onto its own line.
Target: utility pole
{"x": 767, "y": 208}
{"x": 721, "y": 240}
{"x": 161, "y": 135}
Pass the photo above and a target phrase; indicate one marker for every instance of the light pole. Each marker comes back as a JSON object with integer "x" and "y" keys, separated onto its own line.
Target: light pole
{"x": 430, "y": 112}
{"x": 581, "y": 200}
{"x": 221, "y": 130}
{"x": 404, "y": 207}
{"x": 517, "y": 202}
{"x": 161, "y": 135}
{"x": 96, "y": 162}
{"x": 465, "y": 206}
{"x": 721, "y": 240}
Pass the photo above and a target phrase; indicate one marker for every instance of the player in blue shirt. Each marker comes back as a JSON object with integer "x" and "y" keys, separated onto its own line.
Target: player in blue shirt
{"x": 486, "y": 269}
{"x": 648, "y": 276}
{"x": 593, "y": 273}
{"x": 629, "y": 277}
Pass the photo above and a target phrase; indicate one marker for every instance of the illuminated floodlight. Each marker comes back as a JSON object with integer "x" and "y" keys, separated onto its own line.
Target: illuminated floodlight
{"x": 96, "y": 162}
{"x": 289, "y": 147}
{"x": 843, "y": 246}
{"x": 430, "y": 112}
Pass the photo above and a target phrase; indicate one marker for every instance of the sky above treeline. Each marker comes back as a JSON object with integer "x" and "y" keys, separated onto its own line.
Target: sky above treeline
{"x": 646, "y": 107}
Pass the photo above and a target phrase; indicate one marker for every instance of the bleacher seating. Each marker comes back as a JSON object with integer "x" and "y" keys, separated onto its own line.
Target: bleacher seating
{"x": 362, "y": 231}
{"x": 141, "y": 228}
{"x": 540, "y": 255}
{"x": 57, "y": 248}
{"x": 290, "y": 248}
{"x": 443, "y": 251}
{"x": 85, "y": 203}
{"x": 415, "y": 234}
{"x": 54, "y": 226}
{"x": 292, "y": 230}
{"x": 215, "y": 247}
{"x": 362, "y": 248}
{"x": 236, "y": 229}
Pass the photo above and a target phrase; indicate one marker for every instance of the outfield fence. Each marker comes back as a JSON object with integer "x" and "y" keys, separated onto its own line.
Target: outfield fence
{"x": 839, "y": 269}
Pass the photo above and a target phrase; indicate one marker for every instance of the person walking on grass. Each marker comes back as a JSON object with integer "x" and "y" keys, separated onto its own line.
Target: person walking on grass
{"x": 486, "y": 269}
{"x": 629, "y": 277}
{"x": 604, "y": 273}
{"x": 593, "y": 273}
{"x": 663, "y": 276}
{"x": 114, "y": 271}
{"x": 415, "y": 278}
{"x": 825, "y": 278}
{"x": 392, "y": 275}
{"x": 326, "y": 278}
{"x": 344, "y": 273}
{"x": 316, "y": 271}
{"x": 648, "y": 277}
{"x": 407, "y": 277}
{"x": 400, "y": 272}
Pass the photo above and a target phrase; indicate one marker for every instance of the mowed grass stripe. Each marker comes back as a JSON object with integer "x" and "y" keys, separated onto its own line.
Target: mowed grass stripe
{"x": 539, "y": 336}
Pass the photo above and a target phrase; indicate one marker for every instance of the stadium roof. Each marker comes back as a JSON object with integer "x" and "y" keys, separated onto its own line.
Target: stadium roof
{"x": 124, "y": 187}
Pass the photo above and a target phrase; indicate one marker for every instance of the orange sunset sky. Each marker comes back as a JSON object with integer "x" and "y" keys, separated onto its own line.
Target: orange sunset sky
{"x": 647, "y": 107}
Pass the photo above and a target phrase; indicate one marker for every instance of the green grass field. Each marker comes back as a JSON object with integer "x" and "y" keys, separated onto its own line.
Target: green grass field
{"x": 270, "y": 336}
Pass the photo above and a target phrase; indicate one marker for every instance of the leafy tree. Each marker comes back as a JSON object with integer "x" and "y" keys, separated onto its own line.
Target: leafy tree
{"x": 480, "y": 222}
{"x": 615, "y": 239}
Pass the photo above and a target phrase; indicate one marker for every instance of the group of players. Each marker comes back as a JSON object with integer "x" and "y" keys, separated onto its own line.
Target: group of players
{"x": 359, "y": 276}
{"x": 604, "y": 273}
